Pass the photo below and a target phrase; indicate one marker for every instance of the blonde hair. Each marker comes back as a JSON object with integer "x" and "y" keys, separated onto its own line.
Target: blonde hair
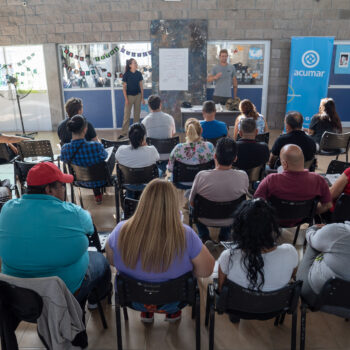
{"x": 248, "y": 109}
{"x": 155, "y": 233}
{"x": 193, "y": 130}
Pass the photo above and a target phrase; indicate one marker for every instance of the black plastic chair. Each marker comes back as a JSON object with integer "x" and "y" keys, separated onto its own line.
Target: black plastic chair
{"x": 130, "y": 206}
{"x": 215, "y": 140}
{"x": 264, "y": 137}
{"x": 255, "y": 174}
{"x": 294, "y": 213}
{"x": 38, "y": 148}
{"x": 337, "y": 167}
{"x": 21, "y": 170}
{"x": 187, "y": 172}
{"x": 16, "y": 304}
{"x": 205, "y": 208}
{"x": 333, "y": 299}
{"x": 341, "y": 211}
{"x": 252, "y": 305}
{"x": 333, "y": 144}
{"x": 97, "y": 172}
{"x": 163, "y": 146}
{"x": 115, "y": 144}
{"x": 133, "y": 176}
{"x": 183, "y": 289}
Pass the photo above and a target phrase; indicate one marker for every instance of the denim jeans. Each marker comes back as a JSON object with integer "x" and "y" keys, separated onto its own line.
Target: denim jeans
{"x": 98, "y": 276}
{"x": 132, "y": 189}
{"x": 162, "y": 167}
{"x": 203, "y": 232}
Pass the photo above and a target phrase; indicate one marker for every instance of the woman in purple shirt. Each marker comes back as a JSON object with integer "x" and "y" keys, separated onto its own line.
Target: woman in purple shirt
{"x": 154, "y": 246}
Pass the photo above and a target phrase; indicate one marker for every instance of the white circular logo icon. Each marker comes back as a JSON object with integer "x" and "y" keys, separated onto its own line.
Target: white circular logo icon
{"x": 310, "y": 59}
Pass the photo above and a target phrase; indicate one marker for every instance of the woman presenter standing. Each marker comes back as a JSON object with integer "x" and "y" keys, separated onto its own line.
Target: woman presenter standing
{"x": 133, "y": 94}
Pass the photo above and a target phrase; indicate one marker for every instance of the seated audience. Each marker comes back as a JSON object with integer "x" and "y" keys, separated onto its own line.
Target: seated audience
{"x": 194, "y": 150}
{"x": 250, "y": 153}
{"x": 327, "y": 119}
{"x": 42, "y": 236}
{"x": 256, "y": 261}
{"x": 137, "y": 154}
{"x": 248, "y": 110}
{"x": 222, "y": 184}
{"x": 326, "y": 256}
{"x": 295, "y": 182}
{"x": 159, "y": 125}
{"x": 294, "y": 135}
{"x": 154, "y": 246}
{"x": 84, "y": 153}
{"x": 212, "y": 129}
{"x": 73, "y": 107}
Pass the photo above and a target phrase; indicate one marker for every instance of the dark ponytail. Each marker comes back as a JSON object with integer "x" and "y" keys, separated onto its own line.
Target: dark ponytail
{"x": 76, "y": 124}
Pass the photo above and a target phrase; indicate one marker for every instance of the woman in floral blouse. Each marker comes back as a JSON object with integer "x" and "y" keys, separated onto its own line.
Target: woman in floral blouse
{"x": 194, "y": 150}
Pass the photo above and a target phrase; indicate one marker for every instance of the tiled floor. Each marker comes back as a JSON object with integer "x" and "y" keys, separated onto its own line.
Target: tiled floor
{"x": 323, "y": 331}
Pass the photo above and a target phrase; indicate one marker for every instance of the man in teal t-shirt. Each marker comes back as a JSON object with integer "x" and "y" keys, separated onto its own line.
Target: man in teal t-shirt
{"x": 41, "y": 235}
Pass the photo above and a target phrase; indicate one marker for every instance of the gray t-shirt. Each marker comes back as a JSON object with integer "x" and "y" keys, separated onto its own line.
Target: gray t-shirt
{"x": 224, "y": 83}
{"x": 278, "y": 267}
{"x": 219, "y": 186}
{"x": 137, "y": 158}
{"x": 159, "y": 125}
{"x": 333, "y": 241}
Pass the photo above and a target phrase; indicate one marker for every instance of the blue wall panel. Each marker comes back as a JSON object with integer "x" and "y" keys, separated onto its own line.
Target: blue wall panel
{"x": 341, "y": 99}
{"x": 97, "y": 106}
{"x": 254, "y": 95}
{"x": 119, "y": 104}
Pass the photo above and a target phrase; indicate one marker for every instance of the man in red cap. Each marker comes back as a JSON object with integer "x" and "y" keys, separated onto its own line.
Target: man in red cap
{"x": 41, "y": 235}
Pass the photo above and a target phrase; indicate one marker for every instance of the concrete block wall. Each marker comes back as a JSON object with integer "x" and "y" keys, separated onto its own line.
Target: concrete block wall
{"x": 71, "y": 21}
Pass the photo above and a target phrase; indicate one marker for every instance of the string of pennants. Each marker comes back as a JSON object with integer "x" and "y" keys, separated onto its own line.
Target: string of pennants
{"x": 22, "y": 62}
{"x": 109, "y": 54}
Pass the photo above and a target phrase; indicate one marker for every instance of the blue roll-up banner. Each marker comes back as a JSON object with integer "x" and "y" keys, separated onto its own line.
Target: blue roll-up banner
{"x": 309, "y": 68}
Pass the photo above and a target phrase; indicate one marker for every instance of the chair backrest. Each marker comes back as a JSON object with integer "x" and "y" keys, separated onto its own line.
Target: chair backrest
{"x": 130, "y": 290}
{"x": 187, "y": 172}
{"x": 246, "y": 301}
{"x": 115, "y": 144}
{"x": 341, "y": 211}
{"x": 215, "y": 140}
{"x": 331, "y": 140}
{"x": 163, "y": 146}
{"x": 4, "y": 152}
{"x": 256, "y": 174}
{"x": 288, "y": 210}
{"x": 97, "y": 172}
{"x": 130, "y": 206}
{"x": 310, "y": 164}
{"x": 21, "y": 170}
{"x": 24, "y": 304}
{"x": 94, "y": 240}
{"x": 39, "y": 148}
{"x": 205, "y": 208}
{"x": 136, "y": 176}
{"x": 337, "y": 167}
{"x": 264, "y": 137}
{"x": 335, "y": 292}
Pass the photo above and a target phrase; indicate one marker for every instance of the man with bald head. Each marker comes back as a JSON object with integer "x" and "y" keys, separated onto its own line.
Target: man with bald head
{"x": 295, "y": 182}
{"x": 294, "y": 135}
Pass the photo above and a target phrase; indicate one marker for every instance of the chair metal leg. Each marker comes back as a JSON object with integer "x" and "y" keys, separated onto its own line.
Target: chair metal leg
{"x": 293, "y": 345}
{"x": 211, "y": 327}
{"x": 117, "y": 203}
{"x": 119, "y": 328}
{"x": 81, "y": 198}
{"x": 198, "y": 321}
{"x": 125, "y": 312}
{"x": 72, "y": 193}
{"x": 277, "y": 320}
{"x": 282, "y": 317}
{"x": 303, "y": 327}
{"x": 207, "y": 308}
{"x": 296, "y": 235}
{"x": 102, "y": 315}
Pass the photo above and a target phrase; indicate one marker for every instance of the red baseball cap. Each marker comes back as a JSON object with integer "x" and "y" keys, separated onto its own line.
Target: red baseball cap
{"x": 46, "y": 173}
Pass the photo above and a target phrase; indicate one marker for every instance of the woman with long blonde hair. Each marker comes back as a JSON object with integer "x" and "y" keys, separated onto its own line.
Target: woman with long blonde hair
{"x": 155, "y": 246}
{"x": 248, "y": 110}
{"x": 194, "y": 151}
